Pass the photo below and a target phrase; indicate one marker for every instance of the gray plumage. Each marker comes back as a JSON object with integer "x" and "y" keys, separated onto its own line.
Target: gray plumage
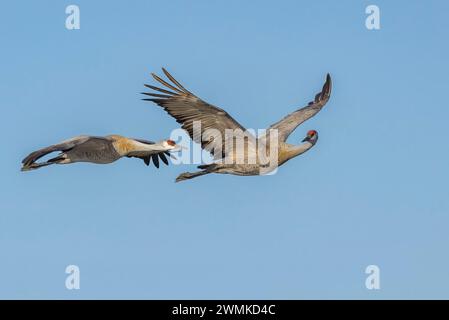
{"x": 289, "y": 123}
{"x": 187, "y": 108}
{"x": 101, "y": 150}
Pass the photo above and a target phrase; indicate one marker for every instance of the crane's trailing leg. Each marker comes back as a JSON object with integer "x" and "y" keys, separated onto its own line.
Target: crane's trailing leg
{"x": 31, "y": 164}
{"x": 190, "y": 175}
{"x": 207, "y": 168}
{"x": 35, "y": 166}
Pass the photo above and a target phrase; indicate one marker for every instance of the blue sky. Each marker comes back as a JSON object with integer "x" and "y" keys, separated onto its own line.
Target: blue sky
{"x": 372, "y": 191}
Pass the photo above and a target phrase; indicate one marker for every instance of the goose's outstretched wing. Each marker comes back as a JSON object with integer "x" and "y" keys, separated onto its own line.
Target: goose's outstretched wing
{"x": 289, "y": 123}
{"x": 188, "y": 109}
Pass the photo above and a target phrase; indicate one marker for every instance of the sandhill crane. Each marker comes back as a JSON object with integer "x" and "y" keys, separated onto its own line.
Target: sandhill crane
{"x": 101, "y": 150}
{"x": 187, "y": 108}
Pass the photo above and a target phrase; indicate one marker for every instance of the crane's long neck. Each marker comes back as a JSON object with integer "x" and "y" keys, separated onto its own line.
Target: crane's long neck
{"x": 149, "y": 147}
{"x": 295, "y": 150}
{"x": 125, "y": 146}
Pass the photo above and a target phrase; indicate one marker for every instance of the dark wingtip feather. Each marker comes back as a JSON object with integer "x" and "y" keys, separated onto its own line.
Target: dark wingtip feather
{"x": 325, "y": 91}
{"x": 174, "y": 81}
{"x": 157, "y": 95}
{"x": 163, "y": 158}
{"x": 155, "y": 160}
{"x": 165, "y": 83}
{"x": 328, "y": 85}
{"x": 152, "y": 100}
{"x": 160, "y": 89}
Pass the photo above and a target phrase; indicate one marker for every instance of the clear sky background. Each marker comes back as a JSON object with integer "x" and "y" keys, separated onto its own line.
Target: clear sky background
{"x": 374, "y": 190}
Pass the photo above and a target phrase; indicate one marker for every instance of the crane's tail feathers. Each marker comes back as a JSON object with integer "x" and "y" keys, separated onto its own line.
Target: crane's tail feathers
{"x": 190, "y": 175}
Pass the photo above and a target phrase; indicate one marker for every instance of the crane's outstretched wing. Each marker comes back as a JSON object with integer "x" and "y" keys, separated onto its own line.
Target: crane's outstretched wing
{"x": 187, "y": 108}
{"x": 63, "y": 146}
{"x": 146, "y": 157}
{"x": 289, "y": 123}
{"x": 155, "y": 157}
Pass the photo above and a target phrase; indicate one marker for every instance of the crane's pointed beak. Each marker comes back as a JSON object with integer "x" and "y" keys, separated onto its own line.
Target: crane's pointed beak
{"x": 179, "y": 148}
{"x": 305, "y": 139}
